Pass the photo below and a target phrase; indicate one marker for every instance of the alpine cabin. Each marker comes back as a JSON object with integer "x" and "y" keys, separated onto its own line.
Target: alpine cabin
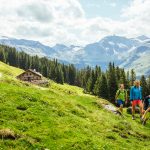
{"x": 30, "y": 75}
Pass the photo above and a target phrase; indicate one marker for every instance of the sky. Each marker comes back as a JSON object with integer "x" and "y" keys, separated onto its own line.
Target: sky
{"x": 77, "y": 22}
{"x": 104, "y": 8}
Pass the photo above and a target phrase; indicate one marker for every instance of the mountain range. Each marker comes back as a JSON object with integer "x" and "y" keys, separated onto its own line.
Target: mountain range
{"x": 129, "y": 53}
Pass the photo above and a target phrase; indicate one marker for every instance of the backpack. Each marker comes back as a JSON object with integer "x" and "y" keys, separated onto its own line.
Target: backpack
{"x": 146, "y": 102}
{"x": 120, "y": 92}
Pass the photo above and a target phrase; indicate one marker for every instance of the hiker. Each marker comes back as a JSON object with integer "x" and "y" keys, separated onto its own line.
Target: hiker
{"x": 146, "y": 109}
{"x": 136, "y": 98}
{"x": 121, "y": 97}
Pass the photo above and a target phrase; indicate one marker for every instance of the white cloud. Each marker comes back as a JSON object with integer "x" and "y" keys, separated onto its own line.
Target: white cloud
{"x": 64, "y": 21}
{"x": 137, "y": 9}
{"x": 38, "y": 12}
{"x": 137, "y": 16}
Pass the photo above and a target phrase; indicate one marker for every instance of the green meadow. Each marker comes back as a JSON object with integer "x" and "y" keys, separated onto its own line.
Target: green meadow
{"x": 62, "y": 117}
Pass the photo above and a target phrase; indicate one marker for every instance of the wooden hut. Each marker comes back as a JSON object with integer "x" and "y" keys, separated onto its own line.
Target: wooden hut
{"x": 30, "y": 75}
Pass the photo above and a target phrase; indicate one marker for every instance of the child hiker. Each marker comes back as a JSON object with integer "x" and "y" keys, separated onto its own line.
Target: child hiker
{"x": 121, "y": 97}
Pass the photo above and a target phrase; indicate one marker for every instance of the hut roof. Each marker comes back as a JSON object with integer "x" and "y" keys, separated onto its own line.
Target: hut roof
{"x": 33, "y": 71}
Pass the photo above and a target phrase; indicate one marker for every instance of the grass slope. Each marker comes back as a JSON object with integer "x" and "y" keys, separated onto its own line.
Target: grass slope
{"x": 61, "y": 117}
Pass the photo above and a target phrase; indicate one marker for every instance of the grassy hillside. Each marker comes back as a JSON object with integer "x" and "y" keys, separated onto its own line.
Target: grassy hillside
{"x": 61, "y": 117}
{"x": 10, "y": 71}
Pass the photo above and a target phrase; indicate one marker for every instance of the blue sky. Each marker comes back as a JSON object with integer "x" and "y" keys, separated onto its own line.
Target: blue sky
{"x": 104, "y": 8}
{"x": 77, "y": 22}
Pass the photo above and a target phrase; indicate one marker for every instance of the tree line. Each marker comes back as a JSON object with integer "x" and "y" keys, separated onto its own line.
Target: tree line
{"x": 92, "y": 80}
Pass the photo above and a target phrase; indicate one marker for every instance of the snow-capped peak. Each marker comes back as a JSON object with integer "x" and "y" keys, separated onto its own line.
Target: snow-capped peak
{"x": 125, "y": 52}
{"x": 142, "y": 37}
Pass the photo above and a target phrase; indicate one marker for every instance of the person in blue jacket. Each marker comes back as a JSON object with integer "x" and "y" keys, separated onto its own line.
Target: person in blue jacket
{"x": 136, "y": 98}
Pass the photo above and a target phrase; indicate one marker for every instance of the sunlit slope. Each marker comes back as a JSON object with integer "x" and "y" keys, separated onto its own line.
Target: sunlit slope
{"x": 62, "y": 117}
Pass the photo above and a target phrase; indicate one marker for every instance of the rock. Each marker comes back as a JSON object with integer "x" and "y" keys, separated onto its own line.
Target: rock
{"x": 7, "y": 134}
{"x": 111, "y": 108}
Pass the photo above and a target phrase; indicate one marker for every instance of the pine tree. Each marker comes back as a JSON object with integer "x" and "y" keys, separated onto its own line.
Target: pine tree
{"x": 87, "y": 73}
{"x": 103, "y": 87}
{"x": 97, "y": 86}
{"x": 144, "y": 86}
{"x": 79, "y": 79}
{"x": 148, "y": 85}
{"x": 112, "y": 82}
{"x": 59, "y": 75}
{"x": 128, "y": 79}
{"x": 72, "y": 74}
{"x": 132, "y": 77}
{"x": 118, "y": 73}
{"x": 2, "y": 55}
{"x": 97, "y": 72}
{"x": 89, "y": 87}
{"x": 123, "y": 79}
{"x": 90, "y": 82}
{"x": 65, "y": 71}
